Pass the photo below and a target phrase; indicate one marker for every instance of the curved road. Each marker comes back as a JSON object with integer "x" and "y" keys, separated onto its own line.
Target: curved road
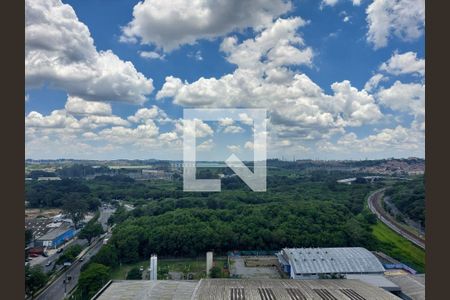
{"x": 374, "y": 201}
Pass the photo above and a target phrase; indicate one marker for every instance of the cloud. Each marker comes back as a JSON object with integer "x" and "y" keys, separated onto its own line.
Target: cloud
{"x": 406, "y": 63}
{"x": 332, "y": 3}
{"x": 226, "y": 122}
{"x": 197, "y": 55}
{"x": 78, "y": 106}
{"x": 168, "y": 136}
{"x": 201, "y": 128}
{"x": 297, "y": 107}
{"x": 278, "y": 45}
{"x": 57, "y": 119}
{"x": 244, "y": 118}
{"x": 248, "y": 145}
{"x": 143, "y": 133}
{"x": 154, "y": 114}
{"x": 405, "y": 140}
{"x": 168, "y": 26}
{"x": 328, "y": 3}
{"x": 373, "y": 82}
{"x": 404, "y": 19}
{"x": 206, "y": 145}
{"x": 405, "y": 97}
{"x": 152, "y": 55}
{"x": 93, "y": 121}
{"x": 60, "y": 52}
{"x": 61, "y": 119}
{"x": 234, "y": 148}
{"x": 233, "y": 129}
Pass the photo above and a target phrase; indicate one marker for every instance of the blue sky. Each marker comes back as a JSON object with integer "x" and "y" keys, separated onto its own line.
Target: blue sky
{"x": 110, "y": 79}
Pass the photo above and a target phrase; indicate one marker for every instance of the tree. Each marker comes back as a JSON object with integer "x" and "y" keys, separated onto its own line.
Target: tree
{"x": 215, "y": 272}
{"x": 28, "y": 236}
{"x": 134, "y": 274}
{"x": 106, "y": 256}
{"x": 70, "y": 254}
{"x": 76, "y": 209}
{"x": 92, "y": 279}
{"x": 91, "y": 230}
{"x": 35, "y": 278}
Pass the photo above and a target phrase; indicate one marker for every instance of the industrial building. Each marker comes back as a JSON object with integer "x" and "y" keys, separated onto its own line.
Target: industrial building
{"x": 314, "y": 263}
{"x": 55, "y": 237}
{"x": 243, "y": 289}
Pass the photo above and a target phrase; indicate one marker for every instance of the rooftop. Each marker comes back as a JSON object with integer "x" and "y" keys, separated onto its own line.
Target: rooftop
{"x": 248, "y": 289}
{"x": 54, "y": 233}
{"x": 412, "y": 286}
{"x": 332, "y": 260}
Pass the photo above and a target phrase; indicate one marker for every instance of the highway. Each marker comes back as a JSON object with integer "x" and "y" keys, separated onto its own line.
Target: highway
{"x": 57, "y": 290}
{"x": 375, "y": 205}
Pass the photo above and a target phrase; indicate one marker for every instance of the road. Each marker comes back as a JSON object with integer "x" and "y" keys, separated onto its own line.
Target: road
{"x": 375, "y": 205}
{"x": 105, "y": 213}
{"x": 54, "y": 257}
{"x": 57, "y": 290}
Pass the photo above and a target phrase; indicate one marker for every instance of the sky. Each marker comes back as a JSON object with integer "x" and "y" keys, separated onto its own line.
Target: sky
{"x": 339, "y": 79}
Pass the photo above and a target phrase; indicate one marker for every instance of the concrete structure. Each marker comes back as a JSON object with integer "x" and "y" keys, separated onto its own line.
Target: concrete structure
{"x": 412, "y": 286}
{"x": 153, "y": 269}
{"x": 314, "y": 263}
{"x": 55, "y": 237}
{"x": 376, "y": 280}
{"x": 248, "y": 289}
{"x": 209, "y": 261}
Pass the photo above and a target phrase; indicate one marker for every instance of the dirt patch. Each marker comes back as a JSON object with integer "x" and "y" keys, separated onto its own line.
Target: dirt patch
{"x": 31, "y": 213}
{"x": 260, "y": 261}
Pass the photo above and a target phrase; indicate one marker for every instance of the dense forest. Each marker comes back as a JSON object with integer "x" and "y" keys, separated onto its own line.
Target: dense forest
{"x": 409, "y": 198}
{"x": 300, "y": 209}
{"x": 303, "y": 207}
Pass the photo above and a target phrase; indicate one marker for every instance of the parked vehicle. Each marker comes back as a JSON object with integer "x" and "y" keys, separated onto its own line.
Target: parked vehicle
{"x": 36, "y": 251}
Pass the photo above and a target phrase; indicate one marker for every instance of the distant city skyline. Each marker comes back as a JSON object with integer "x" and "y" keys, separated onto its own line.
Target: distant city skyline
{"x": 340, "y": 79}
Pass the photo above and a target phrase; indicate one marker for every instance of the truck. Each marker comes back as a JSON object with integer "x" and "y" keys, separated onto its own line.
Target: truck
{"x": 105, "y": 241}
{"x": 36, "y": 251}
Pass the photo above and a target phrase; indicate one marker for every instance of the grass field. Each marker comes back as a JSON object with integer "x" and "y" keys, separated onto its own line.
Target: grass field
{"x": 398, "y": 247}
{"x": 184, "y": 265}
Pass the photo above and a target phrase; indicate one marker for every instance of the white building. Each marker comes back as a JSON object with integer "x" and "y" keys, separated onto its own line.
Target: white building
{"x": 314, "y": 263}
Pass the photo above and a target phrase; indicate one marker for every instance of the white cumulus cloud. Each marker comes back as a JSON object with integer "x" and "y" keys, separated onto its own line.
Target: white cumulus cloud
{"x": 169, "y": 24}
{"x": 405, "y": 63}
{"x": 60, "y": 51}
{"x": 404, "y": 19}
